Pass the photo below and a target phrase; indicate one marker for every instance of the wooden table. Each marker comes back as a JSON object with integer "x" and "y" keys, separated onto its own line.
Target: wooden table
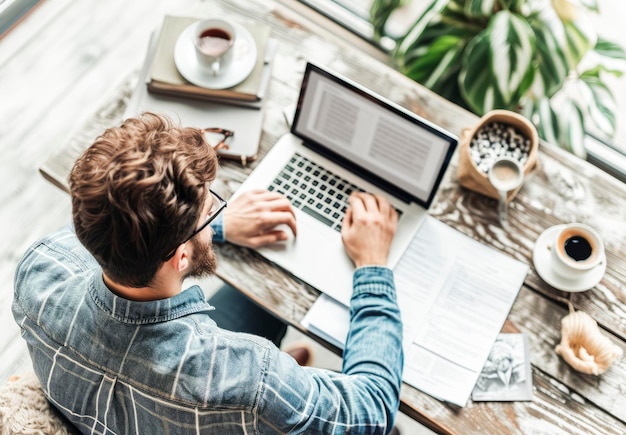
{"x": 562, "y": 189}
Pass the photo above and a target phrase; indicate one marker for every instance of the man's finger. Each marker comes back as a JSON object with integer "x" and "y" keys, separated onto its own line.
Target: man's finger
{"x": 270, "y": 220}
{"x": 383, "y": 205}
{"x": 279, "y": 204}
{"x": 347, "y": 220}
{"x": 370, "y": 202}
{"x": 266, "y": 195}
{"x": 267, "y": 238}
{"x": 356, "y": 203}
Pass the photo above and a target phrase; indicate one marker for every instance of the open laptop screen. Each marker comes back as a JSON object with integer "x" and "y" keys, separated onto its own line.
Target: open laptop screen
{"x": 385, "y": 143}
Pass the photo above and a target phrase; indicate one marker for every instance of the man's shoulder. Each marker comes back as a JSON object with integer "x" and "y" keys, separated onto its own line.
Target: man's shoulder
{"x": 54, "y": 272}
{"x": 58, "y": 254}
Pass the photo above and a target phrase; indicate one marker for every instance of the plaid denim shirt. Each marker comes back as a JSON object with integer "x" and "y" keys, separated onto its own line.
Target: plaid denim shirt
{"x": 115, "y": 366}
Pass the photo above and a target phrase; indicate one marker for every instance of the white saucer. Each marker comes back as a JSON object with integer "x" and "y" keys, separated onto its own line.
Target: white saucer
{"x": 542, "y": 260}
{"x": 244, "y": 59}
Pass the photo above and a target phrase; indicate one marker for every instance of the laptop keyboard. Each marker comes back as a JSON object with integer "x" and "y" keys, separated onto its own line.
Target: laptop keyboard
{"x": 314, "y": 190}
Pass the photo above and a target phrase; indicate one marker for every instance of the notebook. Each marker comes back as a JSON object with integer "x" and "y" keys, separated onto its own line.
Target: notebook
{"x": 345, "y": 137}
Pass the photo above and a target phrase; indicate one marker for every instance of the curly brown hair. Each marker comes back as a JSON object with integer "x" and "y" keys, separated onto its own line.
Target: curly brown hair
{"x": 137, "y": 192}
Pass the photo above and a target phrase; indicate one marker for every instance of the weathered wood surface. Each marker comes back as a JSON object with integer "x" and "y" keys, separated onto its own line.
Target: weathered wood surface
{"x": 562, "y": 189}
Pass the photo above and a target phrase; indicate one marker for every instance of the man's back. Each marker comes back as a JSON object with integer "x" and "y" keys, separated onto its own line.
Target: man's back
{"x": 119, "y": 366}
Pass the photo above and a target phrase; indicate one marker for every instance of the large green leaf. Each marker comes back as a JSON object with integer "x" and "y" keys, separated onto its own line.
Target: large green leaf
{"x": 546, "y": 121}
{"x": 476, "y": 78}
{"x": 552, "y": 65}
{"x": 418, "y": 27}
{"x": 512, "y": 45}
{"x": 498, "y": 64}
{"x": 581, "y": 37}
{"x": 606, "y": 56}
{"x": 442, "y": 55}
{"x": 600, "y": 104}
{"x": 582, "y": 104}
{"x": 451, "y": 37}
{"x": 479, "y": 8}
{"x": 571, "y": 128}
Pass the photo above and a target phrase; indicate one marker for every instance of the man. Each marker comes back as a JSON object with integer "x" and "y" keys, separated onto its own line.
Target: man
{"x": 120, "y": 347}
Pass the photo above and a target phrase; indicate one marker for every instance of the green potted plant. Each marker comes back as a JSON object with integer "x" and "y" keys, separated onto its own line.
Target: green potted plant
{"x": 540, "y": 58}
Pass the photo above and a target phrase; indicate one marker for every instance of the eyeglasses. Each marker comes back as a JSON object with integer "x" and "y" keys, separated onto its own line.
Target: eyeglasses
{"x": 217, "y": 206}
{"x": 219, "y": 135}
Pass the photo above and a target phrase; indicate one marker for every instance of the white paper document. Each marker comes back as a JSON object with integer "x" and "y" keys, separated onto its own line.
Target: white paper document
{"x": 454, "y": 295}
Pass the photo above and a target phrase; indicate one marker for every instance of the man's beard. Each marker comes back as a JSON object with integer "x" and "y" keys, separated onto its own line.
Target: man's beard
{"x": 204, "y": 261}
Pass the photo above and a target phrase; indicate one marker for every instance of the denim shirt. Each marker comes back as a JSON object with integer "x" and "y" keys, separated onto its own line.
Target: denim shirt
{"x": 115, "y": 366}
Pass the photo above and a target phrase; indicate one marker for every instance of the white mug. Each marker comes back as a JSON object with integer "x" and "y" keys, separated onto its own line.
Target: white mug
{"x": 214, "y": 40}
{"x": 576, "y": 250}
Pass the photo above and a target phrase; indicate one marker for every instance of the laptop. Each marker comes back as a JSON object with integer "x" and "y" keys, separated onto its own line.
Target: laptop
{"x": 345, "y": 137}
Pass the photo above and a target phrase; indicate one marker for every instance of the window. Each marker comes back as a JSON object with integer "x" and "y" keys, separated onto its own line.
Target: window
{"x": 13, "y": 10}
{"x": 352, "y": 14}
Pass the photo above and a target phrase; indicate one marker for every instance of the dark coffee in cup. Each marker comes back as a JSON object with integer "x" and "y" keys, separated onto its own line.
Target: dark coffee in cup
{"x": 578, "y": 248}
{"x": 577, "y": 245}
{"x": 214, "y": 41}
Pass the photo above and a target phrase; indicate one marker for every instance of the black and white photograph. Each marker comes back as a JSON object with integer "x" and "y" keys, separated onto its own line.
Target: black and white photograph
{"x": 506, "y": 375}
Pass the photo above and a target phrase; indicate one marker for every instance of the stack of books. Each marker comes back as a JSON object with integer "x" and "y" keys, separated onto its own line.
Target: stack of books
{"x": 165, "y": 78}
{"x": 162, "y": 89}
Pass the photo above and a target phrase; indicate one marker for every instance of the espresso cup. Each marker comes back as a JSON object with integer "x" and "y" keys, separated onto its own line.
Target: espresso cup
{"x": 577, "y": 249}
{"x": 214, "y": 40}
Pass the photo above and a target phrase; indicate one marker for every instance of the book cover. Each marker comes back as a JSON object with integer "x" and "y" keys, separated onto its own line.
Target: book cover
{"x": 165, "y": 78}
{"x": 506, "y": 375}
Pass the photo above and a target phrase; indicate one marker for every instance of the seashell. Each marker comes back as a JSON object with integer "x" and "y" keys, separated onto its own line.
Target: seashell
{"x": 583, "y": 346}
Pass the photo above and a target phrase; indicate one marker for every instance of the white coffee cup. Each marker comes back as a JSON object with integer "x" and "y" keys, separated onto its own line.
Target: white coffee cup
{"x": 576, "y": 250}
{"x": 213, "y": 40}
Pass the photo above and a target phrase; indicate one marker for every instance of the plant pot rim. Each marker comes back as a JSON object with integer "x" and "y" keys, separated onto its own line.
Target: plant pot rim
{"x": 506, "y": 117}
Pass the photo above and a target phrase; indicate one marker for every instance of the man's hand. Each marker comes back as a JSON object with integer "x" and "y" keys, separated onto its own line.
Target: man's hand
{"x": 250, "y": 219}
{"x": 368, "y": 229}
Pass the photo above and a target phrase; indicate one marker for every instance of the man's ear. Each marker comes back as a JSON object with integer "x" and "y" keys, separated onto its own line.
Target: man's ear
{"x": 180, "y": 259}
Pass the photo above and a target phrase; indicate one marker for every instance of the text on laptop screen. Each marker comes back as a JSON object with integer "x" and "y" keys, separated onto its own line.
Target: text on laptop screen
{"x": 386, "y": 140}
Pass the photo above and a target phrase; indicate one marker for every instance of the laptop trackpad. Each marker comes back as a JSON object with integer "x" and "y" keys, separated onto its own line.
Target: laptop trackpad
{"x": 316, "y": 256}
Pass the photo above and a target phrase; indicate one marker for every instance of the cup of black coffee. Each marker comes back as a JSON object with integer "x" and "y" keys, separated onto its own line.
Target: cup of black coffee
{"x": 577, "y": 249}
{"x": 214, "y": 40}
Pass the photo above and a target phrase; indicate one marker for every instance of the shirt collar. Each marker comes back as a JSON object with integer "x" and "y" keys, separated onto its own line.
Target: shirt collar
{"x": 189, "y": 301}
